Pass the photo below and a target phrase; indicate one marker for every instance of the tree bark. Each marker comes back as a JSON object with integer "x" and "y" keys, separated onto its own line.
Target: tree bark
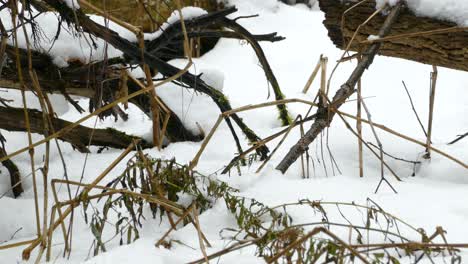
{"x": 447, "y": 49}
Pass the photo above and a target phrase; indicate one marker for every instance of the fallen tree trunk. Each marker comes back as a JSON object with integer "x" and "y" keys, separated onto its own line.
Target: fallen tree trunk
{"x": 12, "y": 119}
{"x": 446, "y": 49}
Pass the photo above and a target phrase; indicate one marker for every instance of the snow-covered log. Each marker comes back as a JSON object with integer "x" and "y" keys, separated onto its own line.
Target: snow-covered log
{"x": 447, "y": 48}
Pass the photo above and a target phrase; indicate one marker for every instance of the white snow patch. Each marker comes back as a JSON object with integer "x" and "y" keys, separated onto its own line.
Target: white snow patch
{"x": 449, "y": 10}
{"x": 188, "y": 12}
{"x": 373, "y": 37}
{"x": 72, "y": 4}
{"x": 214, "y": 78}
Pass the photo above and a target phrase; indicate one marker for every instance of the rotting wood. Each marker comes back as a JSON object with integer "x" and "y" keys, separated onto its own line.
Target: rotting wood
{"x": 447, "y": 48}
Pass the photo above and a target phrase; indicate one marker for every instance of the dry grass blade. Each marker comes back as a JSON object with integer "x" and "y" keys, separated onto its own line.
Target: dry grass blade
{"x": 14, "y": 16}
{"x": 431, "y": 111}
{"x": 359, "y": 129}
{"x": 196, "y": 159}
{"x": 414, "y": 109}
{"x": 200, "y": 234}
{"x": 290, "y": 127}
{"x": 312, "y": 76}
{"x": 395, "y": 133}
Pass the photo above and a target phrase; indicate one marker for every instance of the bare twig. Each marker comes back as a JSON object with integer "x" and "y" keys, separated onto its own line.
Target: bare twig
{"x": 414, "y": 109}
{"x": 460, "y": 137}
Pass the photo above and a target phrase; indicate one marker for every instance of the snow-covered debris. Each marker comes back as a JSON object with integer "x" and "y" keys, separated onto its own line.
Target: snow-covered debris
{"x": 72, "y": 46}
{"x": 188, "y": 12}
{"x": 450, "y": 10}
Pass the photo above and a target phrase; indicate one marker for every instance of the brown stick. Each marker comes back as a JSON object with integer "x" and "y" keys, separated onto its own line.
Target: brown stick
{"x": 431, "y": 111}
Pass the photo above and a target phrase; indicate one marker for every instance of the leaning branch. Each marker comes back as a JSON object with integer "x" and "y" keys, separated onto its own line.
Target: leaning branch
{"x": 324, "y": 116}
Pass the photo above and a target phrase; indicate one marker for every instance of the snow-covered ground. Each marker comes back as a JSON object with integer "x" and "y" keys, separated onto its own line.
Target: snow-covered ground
{"x": 436, "y": 196}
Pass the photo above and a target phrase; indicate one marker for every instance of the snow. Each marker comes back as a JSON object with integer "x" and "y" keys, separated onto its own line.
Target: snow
{"x": 436, "y": 196}
{"x": 188, "y": 12}
{"x": 372, "y": 37}
{"x": 214, "y": 78}
{"x": 450, "y": 10}
{"x": 72, "y": 4}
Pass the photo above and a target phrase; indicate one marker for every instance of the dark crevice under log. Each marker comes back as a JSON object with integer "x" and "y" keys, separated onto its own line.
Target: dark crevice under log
{"x": 447, "y": 50}
{"x": 12, "y": 119}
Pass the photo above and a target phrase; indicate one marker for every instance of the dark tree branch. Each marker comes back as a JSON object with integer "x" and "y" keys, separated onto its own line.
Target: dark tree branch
{"x": 460, "y": 137}
{"x": 283, "y": 112}
{"x": 15, "y": 176}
